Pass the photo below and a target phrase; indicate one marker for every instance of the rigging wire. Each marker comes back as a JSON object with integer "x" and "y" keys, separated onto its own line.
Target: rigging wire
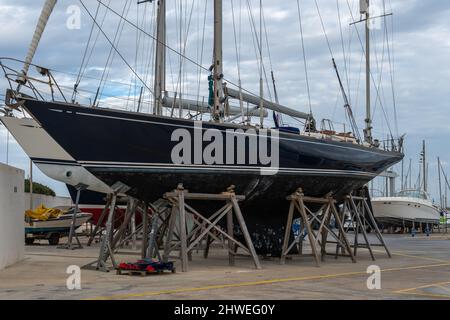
{"x": 238, "y": 58}
{"x": 112, "y": 51}
{"x": 370, "y": 71}
{"x": 166, "y": 46}
{"x": 82, "y": 71}
{"x": 304, "y": 56}
{"x": 347, "y": 106}
{"x": 202, "y": 51}
{"x": 85, "y": 54}
{"x": 343, "y": 49}
{"x": 258, "y": 46}
{"x": 323, "y": 29}
{"x": 391, "y": 64}
{"x": 380, "y": 68}
{"x": 114, "y": 47}
{"x": 379, "y": 87}
{"x": 183, "y": 45}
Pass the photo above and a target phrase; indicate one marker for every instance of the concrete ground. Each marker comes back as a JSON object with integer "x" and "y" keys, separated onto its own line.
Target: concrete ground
{"x": 419, "y": 269}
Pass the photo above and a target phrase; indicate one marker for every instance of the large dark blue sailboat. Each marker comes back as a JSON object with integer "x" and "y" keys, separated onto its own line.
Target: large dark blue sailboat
{"x": 144, "y": 162}
{"x": 151, "y": 162}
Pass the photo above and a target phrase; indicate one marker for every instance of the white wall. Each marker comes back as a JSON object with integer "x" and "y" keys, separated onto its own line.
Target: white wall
{"x": 48, "y": 201}
{"x": 11, "y": 215}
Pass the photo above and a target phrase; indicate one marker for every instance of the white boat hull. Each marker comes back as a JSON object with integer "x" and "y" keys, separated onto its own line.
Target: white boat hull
{"x": 38, "y": 145}
{"x": 404, "y": 211}
{"x": 61, "y": 224}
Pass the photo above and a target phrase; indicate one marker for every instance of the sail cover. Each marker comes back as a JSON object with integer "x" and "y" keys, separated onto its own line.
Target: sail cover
{"x": 43, "y": 19}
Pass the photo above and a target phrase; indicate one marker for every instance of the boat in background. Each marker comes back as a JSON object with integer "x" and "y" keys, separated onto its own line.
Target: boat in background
{"x": 54, "y": 228}
{"x": 94, "y": 203}
{"x": 406, "y": 209}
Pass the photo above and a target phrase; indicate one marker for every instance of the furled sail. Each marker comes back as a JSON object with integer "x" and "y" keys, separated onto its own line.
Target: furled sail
{"x": 204, "y": 107}
{"x": 43, "y": 19}
{"x": 267, "y": 104}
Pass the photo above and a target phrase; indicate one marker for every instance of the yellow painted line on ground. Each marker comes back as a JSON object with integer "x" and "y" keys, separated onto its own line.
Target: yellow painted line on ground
{"x": 413, "y": 291}
{"x": 257, "y": 283}
{"x": 443, "y": 288}
{"x": 428, "y": 295}
{"x": 416, "y": 257}
{"x": 425, "y": 286}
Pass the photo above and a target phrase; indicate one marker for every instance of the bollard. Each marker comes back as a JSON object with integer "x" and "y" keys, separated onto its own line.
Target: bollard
{"x": 427, "y": 231}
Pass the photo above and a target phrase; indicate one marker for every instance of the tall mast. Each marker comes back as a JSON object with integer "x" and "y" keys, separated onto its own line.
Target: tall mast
{"x": 261, "y": 66}
{"x": 441, "y": 200}
{"x": 160, "y": 60}
{"x": 218, "y": 60}
{"x": 424, "y": 166}
{"x": 365, "y": 4}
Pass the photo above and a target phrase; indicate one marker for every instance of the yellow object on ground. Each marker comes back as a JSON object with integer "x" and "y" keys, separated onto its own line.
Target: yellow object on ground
{"x": 43, "y": 213}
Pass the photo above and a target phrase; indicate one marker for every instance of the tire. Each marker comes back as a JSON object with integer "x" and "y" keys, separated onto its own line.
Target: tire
{"x": 29, "y": 241}
{"x": 53, "y": 240}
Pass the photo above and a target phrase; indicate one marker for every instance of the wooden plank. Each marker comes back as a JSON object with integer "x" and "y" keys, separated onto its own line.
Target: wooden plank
{"x": 360, "y": 226}
{"x": 287, "y": 233}
{"x": 183, "y": 236}
{"x": 204, "y": 196}
{"x": 342, "y": 234}
{"x": 170, "y": 230}
{"x": 248, "y": 240}
{"x": 311, "y": 237}
{"x": 230, "y": 227}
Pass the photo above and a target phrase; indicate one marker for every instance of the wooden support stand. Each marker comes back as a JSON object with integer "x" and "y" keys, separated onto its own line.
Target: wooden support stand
{"x": 308, "y": 219}
{"x": 362, "y": 220}
{"x": 204, "y": 228}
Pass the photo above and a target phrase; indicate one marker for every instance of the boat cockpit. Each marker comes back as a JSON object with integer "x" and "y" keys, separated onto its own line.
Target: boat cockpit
{"x": 412, "y": 193}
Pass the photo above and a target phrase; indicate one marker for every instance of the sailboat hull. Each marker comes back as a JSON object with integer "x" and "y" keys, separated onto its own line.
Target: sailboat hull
{"x": 137, "y": 150}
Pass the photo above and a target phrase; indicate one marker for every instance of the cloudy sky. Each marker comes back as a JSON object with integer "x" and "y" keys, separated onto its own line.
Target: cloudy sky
{"x": 411, "y": 48}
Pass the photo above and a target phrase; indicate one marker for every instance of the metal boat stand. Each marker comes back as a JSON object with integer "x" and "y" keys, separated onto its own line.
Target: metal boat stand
{"x": 160, "y": 214}
{"x": 72, "y": 234}
{"x": 308, "y": 218}
{"x": 98, "y": 230}
{"x": 108, "y": 239}
{"x": 106, "y": 251}
{"x": 362, "y": 219}
{"x": 205, "y": 227}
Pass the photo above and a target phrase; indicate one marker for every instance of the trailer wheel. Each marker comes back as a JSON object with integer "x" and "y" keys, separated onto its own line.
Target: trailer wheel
{"x": 29, "y": 241}
{"x": 53, "y": 240}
